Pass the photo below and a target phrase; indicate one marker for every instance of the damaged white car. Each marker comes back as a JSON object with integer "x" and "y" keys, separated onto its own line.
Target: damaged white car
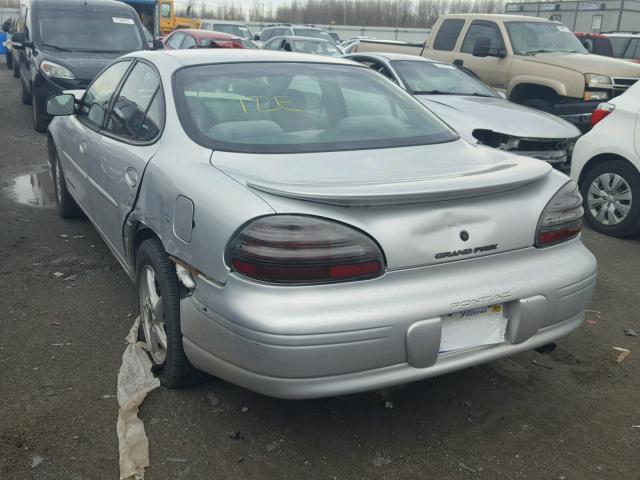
{"x": 477, "y": 112}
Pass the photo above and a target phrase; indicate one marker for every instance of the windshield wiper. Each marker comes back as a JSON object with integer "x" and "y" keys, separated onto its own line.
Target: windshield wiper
{"x": 533, "y": 52}
{"x": 102, "y": 51}
{"x": 478, "y": 95}
{"x": 57, "y": 48}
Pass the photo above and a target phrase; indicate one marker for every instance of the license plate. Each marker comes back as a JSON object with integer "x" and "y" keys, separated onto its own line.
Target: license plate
{"x": 473, "y": 328}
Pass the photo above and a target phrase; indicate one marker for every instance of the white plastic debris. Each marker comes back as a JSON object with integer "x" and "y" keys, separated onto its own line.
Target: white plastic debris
{"x": 135, "y": 381}
{"x": 185, "y": 277}
{"x": 36, "y": 460}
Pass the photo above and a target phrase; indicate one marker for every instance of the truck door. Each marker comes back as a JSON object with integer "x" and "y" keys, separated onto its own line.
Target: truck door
{"x": 494, "y": 69}
{"x": 442, "y": 47}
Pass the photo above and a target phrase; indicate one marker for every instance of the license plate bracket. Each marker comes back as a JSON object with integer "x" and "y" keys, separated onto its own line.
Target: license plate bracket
{"x": 473, "y": 328}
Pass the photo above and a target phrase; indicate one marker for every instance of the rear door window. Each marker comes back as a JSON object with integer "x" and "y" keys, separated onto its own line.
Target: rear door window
{"x": 95, "y": 102}
{"x": 128, "y": 112}
{"x": 448, "y": 34}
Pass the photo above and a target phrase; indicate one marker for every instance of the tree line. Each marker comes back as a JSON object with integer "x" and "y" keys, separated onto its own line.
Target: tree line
{"x": 383, "y": 13}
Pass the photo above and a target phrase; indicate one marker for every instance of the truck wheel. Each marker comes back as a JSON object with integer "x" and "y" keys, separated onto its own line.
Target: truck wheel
{"x": 25, "y": 96}
{"x": 9, "y": 60}
{"x": 539, "y": 104}
{"x": 611, "y": 196}
{"x": 159, "y": 297}
{"x": 16, "y": 70}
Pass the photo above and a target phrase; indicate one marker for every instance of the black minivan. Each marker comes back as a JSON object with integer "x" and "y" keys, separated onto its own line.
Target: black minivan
{"x": 64, "y": 44}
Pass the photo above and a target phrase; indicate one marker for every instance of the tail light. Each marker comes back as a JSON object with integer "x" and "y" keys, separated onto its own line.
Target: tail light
{"x": 603, "y": 110}
{"x": 296, "y": 249}
{"x": 561, "y": 219}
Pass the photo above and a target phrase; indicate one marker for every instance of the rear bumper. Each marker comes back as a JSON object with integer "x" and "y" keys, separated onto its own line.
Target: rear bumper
{"x": 307, "y": 342}
{"x": 578, "y": 113}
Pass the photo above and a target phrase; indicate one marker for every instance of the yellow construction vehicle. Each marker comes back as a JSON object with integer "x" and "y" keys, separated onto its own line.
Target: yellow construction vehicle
{"x": 170, "y": 22}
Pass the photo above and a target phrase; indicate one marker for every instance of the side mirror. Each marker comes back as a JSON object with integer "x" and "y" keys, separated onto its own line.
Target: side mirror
{"x": 482, "y": 47}
{"x": 157, "y": 44}
{"x": 17, "y": 40}
{"x": 61, "y": 105}
{"x": 256, "y": 37}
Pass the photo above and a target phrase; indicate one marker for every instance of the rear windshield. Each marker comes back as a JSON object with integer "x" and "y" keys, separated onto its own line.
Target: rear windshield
{"x": 237, "y": 30}
{"x": 312, "y": 33}
{"x": 300, "y": 107}
{"x": 318, "y": 48}
{"x": 84, "y": 31}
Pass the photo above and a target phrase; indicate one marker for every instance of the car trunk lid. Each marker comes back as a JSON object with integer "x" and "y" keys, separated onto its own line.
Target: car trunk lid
{"x": 415, "y": 201}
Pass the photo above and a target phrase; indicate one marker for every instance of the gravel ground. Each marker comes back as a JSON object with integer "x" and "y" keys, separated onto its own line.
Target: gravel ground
{"x": 568, "y": 415}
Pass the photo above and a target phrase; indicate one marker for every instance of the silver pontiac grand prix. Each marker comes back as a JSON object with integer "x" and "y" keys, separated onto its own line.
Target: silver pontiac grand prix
{"x": 303, "y": 227}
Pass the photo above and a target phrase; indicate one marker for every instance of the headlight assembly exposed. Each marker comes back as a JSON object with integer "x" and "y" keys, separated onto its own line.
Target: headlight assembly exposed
{"x": 53, "y": 70}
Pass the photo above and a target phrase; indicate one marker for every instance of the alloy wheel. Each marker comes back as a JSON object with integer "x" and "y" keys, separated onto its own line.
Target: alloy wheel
{"x": 152, "y": 313}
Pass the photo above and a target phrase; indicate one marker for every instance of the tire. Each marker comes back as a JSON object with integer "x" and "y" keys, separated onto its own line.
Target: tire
{"x": 67, "y": 206}
{"x": 539, "y": 104}
{"x": 159, "y": 299}
{"x": 611, "y": 198}
{"x": 40, "y": 123}
{"x": 9, "y": 58}
{"x": 16, "y": 70}
{"x": 25, "y": 96}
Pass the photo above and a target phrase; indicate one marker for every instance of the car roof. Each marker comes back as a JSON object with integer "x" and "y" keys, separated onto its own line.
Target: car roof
{"x": 497, "y": 16}
{"x": 183, "y": 58}
{"x": 289, "y": 25}
{"x": 622, "y": 34}
{"x": 299, "y": 37}
{"x": 72, "y": 4}
{"x": 392, "y": 56}
{"x": 226, "y": 22}
{"x": 208, "y": 34}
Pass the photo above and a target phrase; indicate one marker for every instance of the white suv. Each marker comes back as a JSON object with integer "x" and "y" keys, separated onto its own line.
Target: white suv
{"x": 606, "y": 165}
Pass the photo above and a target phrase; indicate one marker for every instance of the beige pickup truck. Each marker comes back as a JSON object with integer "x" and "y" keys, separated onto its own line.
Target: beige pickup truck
{"x": 534, "y": 61}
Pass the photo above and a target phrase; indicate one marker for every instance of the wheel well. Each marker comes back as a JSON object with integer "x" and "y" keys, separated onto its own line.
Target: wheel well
{"x": 529, "y": 91}
{"x": 598, "y": 159}
{"x": 142, "y": 233}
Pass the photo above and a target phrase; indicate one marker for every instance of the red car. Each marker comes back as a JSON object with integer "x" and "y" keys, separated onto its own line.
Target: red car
{"x": 192, "y": 38}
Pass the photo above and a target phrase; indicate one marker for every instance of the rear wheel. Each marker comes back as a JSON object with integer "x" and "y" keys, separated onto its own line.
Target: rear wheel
{"x": 159, "y": 297}
{"x": 9, "y": 60}
{"x": 16, "y": 70}
{"x": 67, "y": 206}
{"x": 611, "y": 195}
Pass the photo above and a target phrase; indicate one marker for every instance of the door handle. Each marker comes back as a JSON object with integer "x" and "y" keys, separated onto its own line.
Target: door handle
{"x": 458, "y": 62}
{"x": 83, "y": 146}
{"x": 131, "y": 177}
